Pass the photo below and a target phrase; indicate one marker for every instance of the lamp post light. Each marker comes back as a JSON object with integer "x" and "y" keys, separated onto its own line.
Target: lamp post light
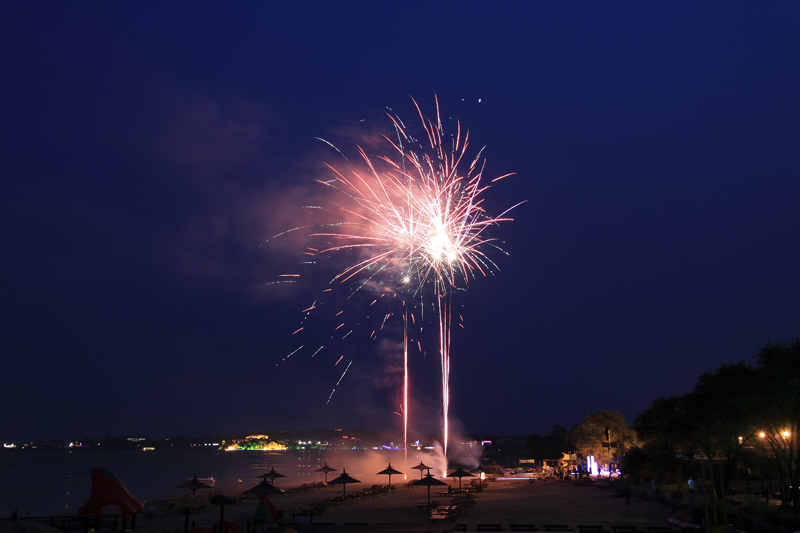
{"x": 784, "y": 451}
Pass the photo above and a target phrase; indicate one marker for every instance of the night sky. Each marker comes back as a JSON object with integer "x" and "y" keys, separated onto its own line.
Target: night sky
{"x": 151, "y": 152}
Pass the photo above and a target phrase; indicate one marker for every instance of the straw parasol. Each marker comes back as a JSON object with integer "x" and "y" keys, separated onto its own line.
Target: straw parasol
{"x": 343, "y": 480}
{"x": 459, "y": 473}
{"x": 389, "y": 472}
{"x": 326, "y": 469}
{"x": 428, "y": 481}
{"x": 480, "y": 470}
{"x": 494, "y": 467}
{"x": 265, "y": 488}
{"x": 188, "y": 502}
{"x": 193, "y": 485}
{"x": 421, "y": 466}
{"x": 272, "y": 475}
{"x": 222, "y": 501}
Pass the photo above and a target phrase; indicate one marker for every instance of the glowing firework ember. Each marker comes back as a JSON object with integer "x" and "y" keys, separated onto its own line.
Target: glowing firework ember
{"x": 417, "y": 219}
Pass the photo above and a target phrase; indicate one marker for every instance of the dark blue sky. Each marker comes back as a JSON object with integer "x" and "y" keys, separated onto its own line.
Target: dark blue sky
{"x": 149, "y": 152}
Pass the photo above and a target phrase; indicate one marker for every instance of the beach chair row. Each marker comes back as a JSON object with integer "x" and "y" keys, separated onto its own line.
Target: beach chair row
{"x": 464, "y": 500}
{"x": 320, "y": 506}
{"x": 305, "y": 487}
{"x": 445, "y": 512}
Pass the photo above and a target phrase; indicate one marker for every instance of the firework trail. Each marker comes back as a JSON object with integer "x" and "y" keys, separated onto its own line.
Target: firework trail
{"x": 405, "y": 386}
{"x": 416, "y": 220}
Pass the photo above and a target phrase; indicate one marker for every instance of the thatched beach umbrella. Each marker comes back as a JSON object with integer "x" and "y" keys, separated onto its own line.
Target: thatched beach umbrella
{"x": 264, "y": 488}
{"x": 389, "y": 472}
{"x": 326, "y": 469}
{"x": 343, "y": 480}
{"x": 480, "y": 470}
{"x": 193, "y": 485}
{"x": 459, "y": 474}
{"x": 421, "y": 466}
{"x": 222, "y": 501}
{"x": 272, "y": 475}
{"x": 428, "y": 481}
{"x": 188, "y": 503}
{"x": 494, "y": 467}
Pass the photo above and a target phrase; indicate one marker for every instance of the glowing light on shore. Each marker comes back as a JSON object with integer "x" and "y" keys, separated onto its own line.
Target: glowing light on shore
{"x": 255, "y": 446}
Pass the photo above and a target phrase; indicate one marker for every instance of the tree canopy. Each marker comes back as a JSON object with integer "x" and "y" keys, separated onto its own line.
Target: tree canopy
{"x": 737, "y": 415}
{"x": 599, "y": 429}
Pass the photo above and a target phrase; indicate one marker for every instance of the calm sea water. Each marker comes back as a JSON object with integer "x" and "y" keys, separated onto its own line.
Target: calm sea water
{"x": 58, "y": 483}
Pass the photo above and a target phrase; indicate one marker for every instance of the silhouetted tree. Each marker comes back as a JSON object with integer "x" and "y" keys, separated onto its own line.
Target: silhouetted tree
{"x": 735, "y": 408}
{"x": 597, "y": 429}
{"x": 549, "y": 446}
{"x": 721, "y": 414}
{"x": 666, "y": 450}
{"x": 714, "y": 422}
{"x": 778, "y": 391}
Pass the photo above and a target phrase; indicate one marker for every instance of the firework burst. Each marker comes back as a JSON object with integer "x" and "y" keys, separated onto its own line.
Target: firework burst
{"x": 415, "y": 220}
{"x": 417, "y": 217}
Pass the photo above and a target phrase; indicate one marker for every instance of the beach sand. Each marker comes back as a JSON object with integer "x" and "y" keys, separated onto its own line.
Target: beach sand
{"x": 502, "y": 502}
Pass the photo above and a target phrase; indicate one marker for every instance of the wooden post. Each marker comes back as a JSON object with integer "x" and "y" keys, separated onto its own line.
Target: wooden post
{"x": 705, "y": 500}
{"x": 714, "y": 496}
{"x": 724, "y": 503}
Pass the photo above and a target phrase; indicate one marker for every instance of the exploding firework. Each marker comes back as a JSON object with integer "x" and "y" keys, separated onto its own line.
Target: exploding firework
{"x": 415, "y": 223}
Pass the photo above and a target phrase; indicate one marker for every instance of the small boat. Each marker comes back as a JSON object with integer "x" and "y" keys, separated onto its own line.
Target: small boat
{"x": 211, "y": 481}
